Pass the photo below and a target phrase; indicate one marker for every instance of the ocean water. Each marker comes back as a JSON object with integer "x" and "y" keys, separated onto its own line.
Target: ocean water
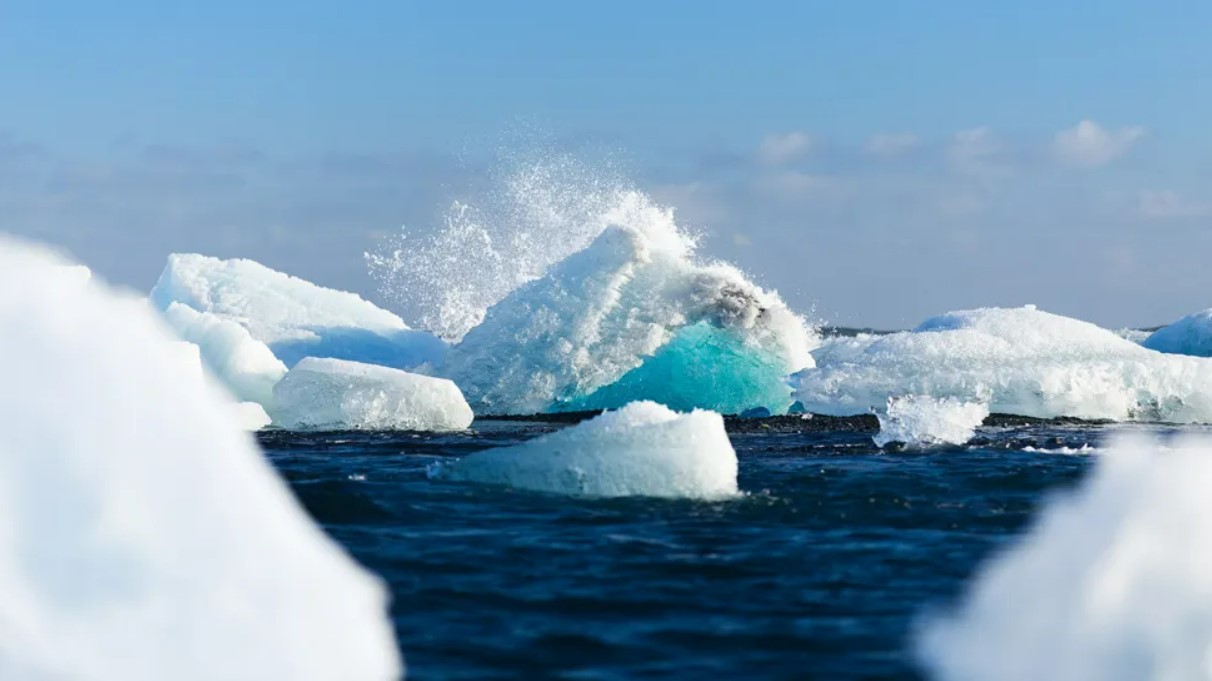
{"x": 820, "y": 572}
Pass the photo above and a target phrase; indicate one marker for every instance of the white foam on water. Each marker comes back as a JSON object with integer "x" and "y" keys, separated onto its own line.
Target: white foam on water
{"x": 925, "y": 421}
{"x": 1191, "y": 335}
{"x": 643, "y": 449}
{"x": 332, "y": 394}
{"x": 142, "y": 534}
{"x": 1111, "y": 584}
{"x": 1019, "y": 361}
{"x": 294, "y": 317}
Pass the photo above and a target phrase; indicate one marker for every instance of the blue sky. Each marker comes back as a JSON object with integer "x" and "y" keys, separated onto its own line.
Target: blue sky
{"x": 878, "y": 161}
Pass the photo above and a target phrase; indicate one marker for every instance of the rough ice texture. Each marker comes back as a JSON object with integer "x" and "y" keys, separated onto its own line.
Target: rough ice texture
{"x": 295, "y": 318}
{"x": 1138, "y": 336}
{"x": 142, "y": 535}
{"x": 333, "y": 394}
{"x": 1191, "y": 335}
{"x": 643, "y": 449}
{"x": 1019, "y": 361}
{"x": 1111, "y": 584}
{"x": 633, "y": 316}
{"x": 245, "y": 365}
{"x": 926, "y": 421}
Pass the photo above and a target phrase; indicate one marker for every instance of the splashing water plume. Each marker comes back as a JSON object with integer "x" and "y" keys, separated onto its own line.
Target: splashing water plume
{"x": 542, "y": 212}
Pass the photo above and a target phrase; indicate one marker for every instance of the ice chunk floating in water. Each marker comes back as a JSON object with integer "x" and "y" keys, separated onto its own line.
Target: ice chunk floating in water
{"x": 633, "y": 316}
{"x": 1112, "y": 583}
{"x": 1191, "y": 335}
{"x": 332, "y": 394}
{"x": 245, "y": 365}
{"x": 1018, "y": 361}
{"x": 643, "y": 449}
{"x": 295, "y": 318}
{"x": 926, "y": 421}
{"x": 142, "y": 535}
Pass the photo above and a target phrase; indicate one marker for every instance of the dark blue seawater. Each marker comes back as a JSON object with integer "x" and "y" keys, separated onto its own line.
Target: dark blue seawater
{"x": 820, "y": 572}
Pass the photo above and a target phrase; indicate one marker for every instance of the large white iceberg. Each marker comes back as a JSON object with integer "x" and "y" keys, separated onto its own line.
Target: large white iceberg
{"x": 633, "y": 316}
{"x": 1019, "y": 361}
{"x": 333, "y": 394}
{"x": 643, "y": 449}
{"x": 1112, "y": 583}
{"x": 245, "y": 365}
{"x": 142, "y": 535}
{"x": 1191, "y": 335}
{"x": 295, "y": 318}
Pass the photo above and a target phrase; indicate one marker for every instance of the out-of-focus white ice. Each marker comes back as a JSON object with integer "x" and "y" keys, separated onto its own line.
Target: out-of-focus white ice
{"x": 245, "y": 365}
{"x": 633, "y": 316}
{"x": 295, "y": 318}
{"x": 925, "y": 421}
{"x": 142, "y": 535}
{"x": 1018, "y": 361}
{"x": 333, "y": 394}
{"x": 250, "y": 415}
{"x": 1112, "y": 583}
{"x": 643, "y": 449}
{"x": 1191, "y": 335}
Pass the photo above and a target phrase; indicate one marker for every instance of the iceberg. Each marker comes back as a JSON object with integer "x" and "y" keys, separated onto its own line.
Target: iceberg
{"x": 333, "y": 394}
{"x": 633, "y": 317}
{"x": 1191, "y": 335}
{"x": 1111, "y": 584}
{"x": 1019, "y": 361}
{"x": 245, "y": 365}
{"x": 143, "y": 536}
{"x": 643, "y": 449}
{"x": 925, "y": 421}
{"x": 293, "y": 317}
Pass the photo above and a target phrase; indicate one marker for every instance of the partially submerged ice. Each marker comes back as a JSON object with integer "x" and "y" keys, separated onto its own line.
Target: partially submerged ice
{"x": 643, "y": 449}
{"x": 142, "y": 535}
{"x": 923, "y": 421}
{"x": 293, "y": 317}
{"x": 1111, "y": 584}
{"x": 245, "y": 365}
{"x": 631, "y": 317}
{"x": 333, "y": 394}
{"x": 1019, "y": 361}
{"x": 1191, "y": 335}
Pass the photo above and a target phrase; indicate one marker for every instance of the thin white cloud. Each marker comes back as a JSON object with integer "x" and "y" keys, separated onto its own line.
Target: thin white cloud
{"x": 974, "y": 150}
{"x": 1166, "y": 204}
{"x": 1090, "y": 145}
{"x": 890, "y": 145}
{"x": 784, "y": 148}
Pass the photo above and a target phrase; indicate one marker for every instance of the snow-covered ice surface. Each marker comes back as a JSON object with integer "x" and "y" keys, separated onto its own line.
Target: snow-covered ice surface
{"x": 1018, "y": 361}
{"x": 142, "y": 534}
{"x": 643, "y": 449}
{"x": 245, "y": 365}
{"x": 1138, "y": 336}
{"x": 333, "y": 394}
{"x": 295, "y": 318}
{"x": 1112, "y": 583}
{"x": 925, "y": 421}
{"x": 633, "y": 316}
{"x": 1191, "y": 335}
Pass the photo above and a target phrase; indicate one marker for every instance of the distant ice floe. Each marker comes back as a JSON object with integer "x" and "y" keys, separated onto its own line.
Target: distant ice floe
{"x": 633, "y": 316}
{"x": 1111, "y": 584}
{"x": 643, "y": 449}
{"x": 1018, "y": 361}
{"x": 142, "y": 535}
{"x": 332, "y": 394}
{"x": 293, "y": 317}
{"x": 1191, "y": 335}
{"x": 925, "y": 421}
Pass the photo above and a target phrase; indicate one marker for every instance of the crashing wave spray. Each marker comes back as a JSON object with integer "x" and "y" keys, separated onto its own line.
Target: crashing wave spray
{"x": 539, "y": 213}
